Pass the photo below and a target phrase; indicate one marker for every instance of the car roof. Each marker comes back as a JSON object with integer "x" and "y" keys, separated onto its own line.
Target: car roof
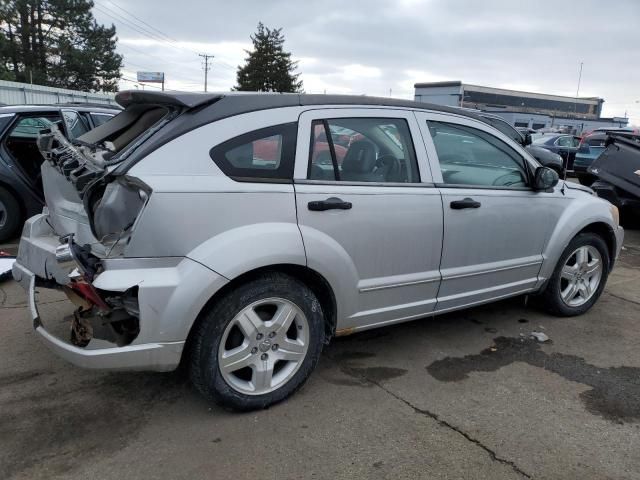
{"x": 243, "y": 102}
{"x": 46, "y": 108}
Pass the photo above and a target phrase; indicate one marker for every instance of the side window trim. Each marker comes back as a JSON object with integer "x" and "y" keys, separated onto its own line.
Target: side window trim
{"x": 311, "y": 114}
{"x": 410, "y": 150}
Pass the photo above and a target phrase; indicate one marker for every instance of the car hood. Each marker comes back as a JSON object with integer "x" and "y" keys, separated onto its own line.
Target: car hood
{"x": 577, "y": 186}
{"x": 619, "y": 163}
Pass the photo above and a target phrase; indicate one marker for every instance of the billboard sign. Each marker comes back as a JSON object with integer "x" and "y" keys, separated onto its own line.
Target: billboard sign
{"x": 151, "y": 77}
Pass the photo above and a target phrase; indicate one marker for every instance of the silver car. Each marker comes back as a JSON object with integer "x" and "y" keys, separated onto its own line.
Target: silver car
{"x": 240, "y": 233}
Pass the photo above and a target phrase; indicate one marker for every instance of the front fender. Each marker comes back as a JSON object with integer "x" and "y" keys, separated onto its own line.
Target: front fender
{"x": 580, "y": 213}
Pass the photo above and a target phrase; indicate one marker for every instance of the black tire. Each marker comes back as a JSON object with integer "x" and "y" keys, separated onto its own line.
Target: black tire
{"x": 551, "y": 299}
{"x": 11, "y": 213}
{"x": 203, "y": 362}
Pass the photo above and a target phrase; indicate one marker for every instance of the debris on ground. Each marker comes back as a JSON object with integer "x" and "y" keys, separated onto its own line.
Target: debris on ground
{"x": 539, "y": 336}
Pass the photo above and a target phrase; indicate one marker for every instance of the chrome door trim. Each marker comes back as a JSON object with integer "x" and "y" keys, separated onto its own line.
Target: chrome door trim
{"x": 492, "y": 270}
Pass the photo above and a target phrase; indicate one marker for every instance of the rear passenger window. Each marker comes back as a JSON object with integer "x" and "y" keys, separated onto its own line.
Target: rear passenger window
{"x": 266, "y": 154}
{"x": 362, "y": 150}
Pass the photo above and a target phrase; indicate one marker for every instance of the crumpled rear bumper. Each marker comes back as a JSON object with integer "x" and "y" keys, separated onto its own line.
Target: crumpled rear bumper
{"x": 171, "y": 293}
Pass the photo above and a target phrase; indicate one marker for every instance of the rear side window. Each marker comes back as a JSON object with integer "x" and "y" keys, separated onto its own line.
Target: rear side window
{"x": 261, "y": 155}
{"x": 378, "y": 150}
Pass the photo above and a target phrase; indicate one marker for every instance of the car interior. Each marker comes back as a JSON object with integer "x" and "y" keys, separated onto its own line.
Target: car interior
{"x": 21, "y": 142}
{"x": 366, "y": 150}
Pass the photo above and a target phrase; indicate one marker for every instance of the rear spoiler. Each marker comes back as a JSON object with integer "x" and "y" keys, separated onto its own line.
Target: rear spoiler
{"x": 175, "y": 99}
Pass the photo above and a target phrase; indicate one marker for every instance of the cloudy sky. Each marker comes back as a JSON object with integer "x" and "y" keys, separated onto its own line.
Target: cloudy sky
{"x": 383, "y": 47}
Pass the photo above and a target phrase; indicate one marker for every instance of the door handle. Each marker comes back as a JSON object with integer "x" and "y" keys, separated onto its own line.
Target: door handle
{"x": 464, "y": 203}
{"x": 332, "y": 203}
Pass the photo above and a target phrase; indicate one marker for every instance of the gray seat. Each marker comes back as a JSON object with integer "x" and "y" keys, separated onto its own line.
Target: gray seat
{"x": 360, "y": 162}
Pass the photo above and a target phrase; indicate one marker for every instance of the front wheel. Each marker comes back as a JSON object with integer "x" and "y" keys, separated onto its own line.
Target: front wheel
{"x": 257, "y": 344}
{"x": 579, "y": 277}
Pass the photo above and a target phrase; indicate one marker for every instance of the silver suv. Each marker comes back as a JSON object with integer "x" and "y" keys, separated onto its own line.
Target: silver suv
{"x": 239, "y": 233}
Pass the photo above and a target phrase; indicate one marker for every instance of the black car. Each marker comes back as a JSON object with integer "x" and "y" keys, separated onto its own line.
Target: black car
{"x": 542, "y": 155}
{"x": 21, "y": 193}
{"x": 562, "y": 144}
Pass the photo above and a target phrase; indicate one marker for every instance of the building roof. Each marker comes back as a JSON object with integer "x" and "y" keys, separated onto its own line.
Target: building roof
{"x": 506, "y": 91}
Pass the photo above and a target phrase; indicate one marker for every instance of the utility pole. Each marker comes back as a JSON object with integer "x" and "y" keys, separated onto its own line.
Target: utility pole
{"x": 575, "y": 108}
{"x": 206, "y": 67}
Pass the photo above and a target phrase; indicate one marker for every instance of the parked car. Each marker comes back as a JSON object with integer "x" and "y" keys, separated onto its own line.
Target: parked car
{"x": 21, "y": 194}
{"x": 178, "y": 244}
{"x": 590, "y": 148}
{"x": 544, "y": 156}
{"x": 617, "y": 172}
{"x": 561, "y": 144}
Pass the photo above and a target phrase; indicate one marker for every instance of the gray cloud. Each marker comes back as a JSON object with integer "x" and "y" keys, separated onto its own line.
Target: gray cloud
{"x": 373, "y": 46}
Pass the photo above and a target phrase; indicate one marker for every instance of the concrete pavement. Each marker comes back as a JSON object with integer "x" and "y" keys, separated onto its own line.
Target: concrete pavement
{"x": 463, "y": 395}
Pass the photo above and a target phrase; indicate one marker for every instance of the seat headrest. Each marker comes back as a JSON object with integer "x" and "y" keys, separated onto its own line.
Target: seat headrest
{"x": 360, "y": 158}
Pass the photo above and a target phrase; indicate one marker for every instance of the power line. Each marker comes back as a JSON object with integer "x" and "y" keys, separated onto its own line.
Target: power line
{"x": 142, "y": 21}
{"x": 206, "y": 67}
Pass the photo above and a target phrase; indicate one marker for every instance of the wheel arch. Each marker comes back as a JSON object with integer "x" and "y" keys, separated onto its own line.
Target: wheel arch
{"x": 311, "y": 278}
{"x": 605, "y": 231}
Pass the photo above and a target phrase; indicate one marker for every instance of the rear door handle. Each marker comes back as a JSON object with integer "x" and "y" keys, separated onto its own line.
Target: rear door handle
{"x": 464, "y": 203}
{"x": 332, "y": 203}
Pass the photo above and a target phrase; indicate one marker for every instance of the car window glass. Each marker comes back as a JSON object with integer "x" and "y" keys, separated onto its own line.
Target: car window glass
{"x": 362, "y": 150}
{"x": 565, "y": 142}
{"x": 76, "y": 125}
{"x": 264, "y": 153}
{"x": 30, "y": 127}
{"x": 576, "y": 142}
{"x": 100, "y": 118}
{"x": 469, "y": 156}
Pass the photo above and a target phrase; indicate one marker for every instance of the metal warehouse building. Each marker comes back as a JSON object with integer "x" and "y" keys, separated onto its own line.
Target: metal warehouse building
{"x": 15, "y": 93}
{"x": 522, "y": 109}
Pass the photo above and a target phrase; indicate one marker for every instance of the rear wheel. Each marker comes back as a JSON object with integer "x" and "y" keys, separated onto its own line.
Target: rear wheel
{"x": 10, "y": 215}
{"x": 579, "y": 277}
{"x": 258, "y": 344}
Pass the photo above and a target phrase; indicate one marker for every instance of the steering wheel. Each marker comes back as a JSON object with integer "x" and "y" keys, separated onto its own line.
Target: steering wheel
{"x": 502, "y": 182}
{"x": 389, "y": 167}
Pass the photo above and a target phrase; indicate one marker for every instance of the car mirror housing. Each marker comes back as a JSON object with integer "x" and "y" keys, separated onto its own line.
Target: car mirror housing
{"x": 527, "y": 139}
{"x": 545, "y": 178}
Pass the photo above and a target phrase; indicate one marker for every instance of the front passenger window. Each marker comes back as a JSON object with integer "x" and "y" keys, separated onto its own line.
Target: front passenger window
{"x": 469, "y": 156}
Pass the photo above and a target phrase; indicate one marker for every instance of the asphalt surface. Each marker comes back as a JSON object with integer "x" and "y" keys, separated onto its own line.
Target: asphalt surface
{"x": 465, "y": 395}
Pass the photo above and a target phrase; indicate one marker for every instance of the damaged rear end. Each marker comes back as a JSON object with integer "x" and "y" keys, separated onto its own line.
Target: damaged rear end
{"x": 77, "y": 243}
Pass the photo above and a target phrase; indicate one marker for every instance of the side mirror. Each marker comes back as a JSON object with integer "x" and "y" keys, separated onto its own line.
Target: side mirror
{"x": 527, "y": 139}
{"x": 545, "y": 178}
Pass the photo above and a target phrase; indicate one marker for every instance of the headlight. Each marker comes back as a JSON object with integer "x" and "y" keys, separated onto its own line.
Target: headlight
{"x": 615, "y": 213}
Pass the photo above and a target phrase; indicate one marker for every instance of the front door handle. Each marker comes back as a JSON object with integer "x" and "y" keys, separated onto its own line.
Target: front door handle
{"x": 332, "y": 203}
{"x": 464, "y": 203}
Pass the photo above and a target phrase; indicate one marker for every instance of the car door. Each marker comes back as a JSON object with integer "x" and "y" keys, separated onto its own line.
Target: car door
{"x": 495, "y": 225}
{"x": 370, "y": 217}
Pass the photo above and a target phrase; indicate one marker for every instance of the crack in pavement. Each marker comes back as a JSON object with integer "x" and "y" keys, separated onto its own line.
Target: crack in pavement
{"x": 356, "y": 372}
{"x": 623, "y": 298}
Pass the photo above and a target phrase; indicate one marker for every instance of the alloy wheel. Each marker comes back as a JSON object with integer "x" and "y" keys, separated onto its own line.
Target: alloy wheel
{"x": 263, "y": 346}
{"x": 580, "y": 276}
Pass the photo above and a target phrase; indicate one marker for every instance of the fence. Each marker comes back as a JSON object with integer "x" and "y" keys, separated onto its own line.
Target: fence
{"x": 15, "y": 93}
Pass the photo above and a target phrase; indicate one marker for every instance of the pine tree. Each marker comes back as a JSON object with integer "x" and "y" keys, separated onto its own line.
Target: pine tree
{"x": 57, "y": 43}
{"x": 268, "y": 68}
